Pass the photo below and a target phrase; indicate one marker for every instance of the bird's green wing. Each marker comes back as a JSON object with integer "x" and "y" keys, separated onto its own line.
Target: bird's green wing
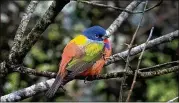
{"x": 93, "y": 52}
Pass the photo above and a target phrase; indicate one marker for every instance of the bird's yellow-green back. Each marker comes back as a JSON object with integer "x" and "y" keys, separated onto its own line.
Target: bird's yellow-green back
{"x": 92, "y": 50}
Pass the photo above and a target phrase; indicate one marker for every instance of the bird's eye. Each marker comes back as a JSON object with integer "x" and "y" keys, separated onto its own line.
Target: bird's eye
{"x": 98, "y": 36}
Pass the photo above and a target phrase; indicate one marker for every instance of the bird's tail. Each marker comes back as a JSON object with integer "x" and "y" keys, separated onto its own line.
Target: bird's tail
{"x": 57, "y": 83}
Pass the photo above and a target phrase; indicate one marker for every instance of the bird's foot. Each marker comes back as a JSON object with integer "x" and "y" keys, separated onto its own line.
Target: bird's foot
{"x": 106, "y": 58}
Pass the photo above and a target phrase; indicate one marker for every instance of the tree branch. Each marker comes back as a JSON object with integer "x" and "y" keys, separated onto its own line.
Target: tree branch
{"x": 20, "y": 31}
{"x": 43, "y": 86}
{"x": 134, "y": 51}
{"x": 117, "y": 23}
{"x": 138, "y": 65}
{"x": 141, "y": 75}
{"x": 27, "y": 92}
{"x": 129, "y": 50}
{"x": 28, "y": 41}
{"x": 159, "y": 66}
{"x": 172, "y": 100}
{"x": 118, "y": 9}
{"x": 30, "y": 71}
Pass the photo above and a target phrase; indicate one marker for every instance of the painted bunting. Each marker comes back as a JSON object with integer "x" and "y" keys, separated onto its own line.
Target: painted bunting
{"x": 84, "y": 55}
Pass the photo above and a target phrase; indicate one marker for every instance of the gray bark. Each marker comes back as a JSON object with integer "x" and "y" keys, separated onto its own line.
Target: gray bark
{"x": 123, "y": 16}
{"x": 28, "y": 41}
{"x": 163, "y": 39}
{"x": 20, "y": 31}
{"x": 43, "y": 86}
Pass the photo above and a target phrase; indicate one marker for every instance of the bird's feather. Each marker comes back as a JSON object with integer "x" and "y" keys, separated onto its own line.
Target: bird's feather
{"x": 82, "y": 54}
{"x": 87, "y": 53}
{"x": 58, "y": 81}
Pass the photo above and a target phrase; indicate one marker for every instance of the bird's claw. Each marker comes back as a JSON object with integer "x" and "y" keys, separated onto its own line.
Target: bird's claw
{"x": 106, "y": 58}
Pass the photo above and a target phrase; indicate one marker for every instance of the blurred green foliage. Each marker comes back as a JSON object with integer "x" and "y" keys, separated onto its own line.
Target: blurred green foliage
{"x": 162, "y": 88}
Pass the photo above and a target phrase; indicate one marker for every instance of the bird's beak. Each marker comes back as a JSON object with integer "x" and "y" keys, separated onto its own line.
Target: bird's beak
{"x": 105, "y": 36}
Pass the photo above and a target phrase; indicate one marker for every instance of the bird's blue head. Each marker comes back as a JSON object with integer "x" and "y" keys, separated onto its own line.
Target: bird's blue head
{"x": 95, "y": 33}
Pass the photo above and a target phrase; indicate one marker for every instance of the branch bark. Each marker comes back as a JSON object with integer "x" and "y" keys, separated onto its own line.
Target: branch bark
{"x": 138, "y": 65}
{"x": 123, "y": 16}
{"x": 172, "y": 100}
{"x": 163, "y": 39}
{"x": 129, "y": 50}
{"x": 43, "y": 86}
{"x": 28, "y": 41}
{"x": 30, "y": 71}
{"x": 27, "y": 92}
{"x": 20, "y": 31}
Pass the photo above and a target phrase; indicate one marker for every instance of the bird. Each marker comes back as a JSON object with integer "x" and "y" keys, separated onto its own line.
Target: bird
{"x": 85, "y": 55}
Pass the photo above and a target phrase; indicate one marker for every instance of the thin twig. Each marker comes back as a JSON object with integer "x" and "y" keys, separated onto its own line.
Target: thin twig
{"x": 117, "y": 8}
{"x": 172, "y": 100}
{"x": 126, "y": 62}
{"x": 129, "y": 49}
{"x": 159, "y": 66}
{"x": 20, "y": 31}
{"x": 138, "y": 66}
